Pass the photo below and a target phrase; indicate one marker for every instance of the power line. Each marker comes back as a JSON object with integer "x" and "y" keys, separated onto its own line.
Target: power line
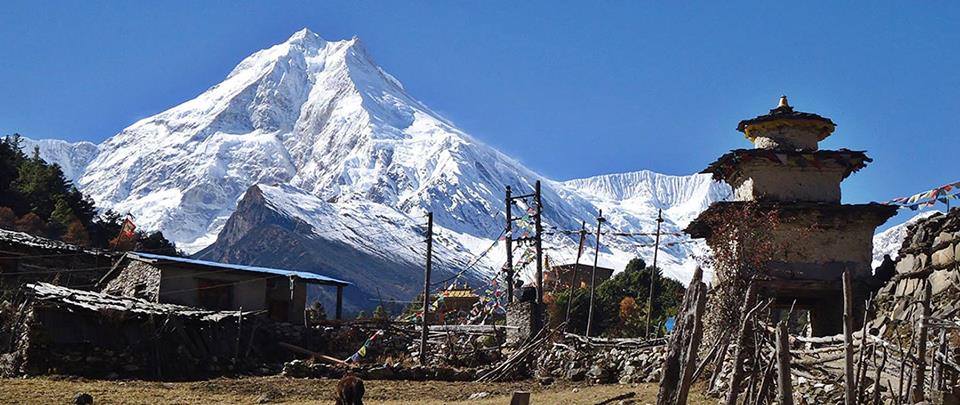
{"x": 475, "y": 261}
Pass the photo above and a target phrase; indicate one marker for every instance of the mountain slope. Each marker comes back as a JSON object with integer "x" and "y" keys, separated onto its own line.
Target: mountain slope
{"x": 73, "y": 158}
{"x": 889, "y": 241}
{"x": 323, "y": 117}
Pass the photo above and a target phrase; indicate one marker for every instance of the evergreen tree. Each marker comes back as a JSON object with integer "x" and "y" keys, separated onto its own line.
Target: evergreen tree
{"x": 35, "y": 197}
{"x": 62, "y": 213}
{"x": 615, "y": 315}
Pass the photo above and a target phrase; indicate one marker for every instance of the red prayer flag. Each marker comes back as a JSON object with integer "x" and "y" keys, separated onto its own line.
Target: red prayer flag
{"x": 127, "y": 229}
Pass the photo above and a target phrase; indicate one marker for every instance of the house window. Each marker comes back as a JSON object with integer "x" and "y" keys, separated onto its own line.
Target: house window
{"x": 215, "y": 294}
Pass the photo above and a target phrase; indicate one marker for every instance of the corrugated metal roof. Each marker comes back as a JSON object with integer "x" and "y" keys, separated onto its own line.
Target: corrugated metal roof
{"x": 253, "y": 269}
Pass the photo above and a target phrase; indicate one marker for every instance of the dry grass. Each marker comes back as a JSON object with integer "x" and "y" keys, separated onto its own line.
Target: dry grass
{"x": 302, "y": 391}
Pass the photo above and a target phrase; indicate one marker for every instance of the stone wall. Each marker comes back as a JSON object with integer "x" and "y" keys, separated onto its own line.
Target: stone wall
{"x": 761, "y": 180}
{"x": 787, "y": 137}
{"x": 63, "y": 331}
{"x": 523, "y": 320}
{"x": 572, "y": 360}
{"x": 929, "y": 252}
{"x": 136, "y": 279}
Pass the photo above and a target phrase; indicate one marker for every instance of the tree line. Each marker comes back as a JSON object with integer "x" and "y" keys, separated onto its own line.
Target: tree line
{"x": 36, "y": 198}
{"x": 620, "y": 303}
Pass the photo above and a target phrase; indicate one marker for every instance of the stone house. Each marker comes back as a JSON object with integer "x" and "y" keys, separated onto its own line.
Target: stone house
{"x": 561, "y": 277}
{"x": 280, "y": 294}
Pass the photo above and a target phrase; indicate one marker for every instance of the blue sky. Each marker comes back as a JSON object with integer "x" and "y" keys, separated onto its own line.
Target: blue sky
{"x": 572, "y": 90}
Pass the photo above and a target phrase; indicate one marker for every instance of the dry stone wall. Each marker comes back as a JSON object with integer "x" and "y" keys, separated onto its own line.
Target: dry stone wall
{"x": 929, "y": 253}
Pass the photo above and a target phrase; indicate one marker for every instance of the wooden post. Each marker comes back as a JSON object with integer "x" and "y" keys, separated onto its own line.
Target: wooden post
{"x": 575, "y": 279}
{"x": 761, "y": 396}
{"x": 670, "y": 376}
{"x": 509, "y": 242}
{"x": 850, "y": 379}
{"x": 339, "y": 302}
{"x": 784, "y": 384}
{"x": 538, "y": 223}
{"x": 920, "y": 370}
{"x": 736, "y": 375}
{"x": 236, "y": 355}
{"x": 425, "y": 325}
{"x": 877, "y": 375}
{"x": 656, "y": 249}
{"x": 721, "y": 358}
{"x": 861, "y": 363}
{"x": 696, "y": 335}
{"x": 593, "y": 274}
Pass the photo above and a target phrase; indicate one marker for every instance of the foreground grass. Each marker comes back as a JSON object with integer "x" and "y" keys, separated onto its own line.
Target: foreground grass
{"x": 254, "y": 390}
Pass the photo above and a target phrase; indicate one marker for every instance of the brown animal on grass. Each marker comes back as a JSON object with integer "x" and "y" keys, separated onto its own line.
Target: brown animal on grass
{"x": 350, "y": 390}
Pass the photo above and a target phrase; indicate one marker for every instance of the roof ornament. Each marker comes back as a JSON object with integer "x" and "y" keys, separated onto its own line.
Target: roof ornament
{"x": 783, "y": 102}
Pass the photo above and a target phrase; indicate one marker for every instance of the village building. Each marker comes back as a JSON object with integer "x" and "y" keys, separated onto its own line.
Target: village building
{"x": 26, "y": 258}
{"x": 213, "y": 286}
{"x": 560, "y": 277}
{"x": 817, "y": 238}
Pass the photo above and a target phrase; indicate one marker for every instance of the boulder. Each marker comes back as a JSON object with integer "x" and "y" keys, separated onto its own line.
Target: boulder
{"x": 576, "y": 374}
{"x": 943, "y": 258}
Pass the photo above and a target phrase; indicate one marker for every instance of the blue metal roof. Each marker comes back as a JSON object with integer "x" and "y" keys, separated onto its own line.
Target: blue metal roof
{"x": 253, "y": 269}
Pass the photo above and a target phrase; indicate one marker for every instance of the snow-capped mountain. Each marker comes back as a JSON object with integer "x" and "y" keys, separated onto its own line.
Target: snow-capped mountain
{"x": 73, "y": 158}
{"x": 889, "y": 241}
{"x": 321, "y": 118}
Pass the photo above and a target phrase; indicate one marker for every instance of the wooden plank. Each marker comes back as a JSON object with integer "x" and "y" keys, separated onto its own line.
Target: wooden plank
{"x": 849, "y": 377}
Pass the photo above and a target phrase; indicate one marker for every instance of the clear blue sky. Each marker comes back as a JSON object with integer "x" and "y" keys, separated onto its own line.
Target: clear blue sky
{"x": 571, "y": 89}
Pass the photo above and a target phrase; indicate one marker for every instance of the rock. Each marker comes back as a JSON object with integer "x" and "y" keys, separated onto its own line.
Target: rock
{"x": 268, "y": 396}
{"x": 600, "y": 375}
{"x": 83, "y": 399}
{"x": 380, "y": 373}
{"x": 943, "y": 258}
{"x": 576, "y": 374}
{"x": 906, "y": 264}
{"x": 478, "y": 396}
{"x": 941, "y": 280}
{"x": 545, "y": 380}
{"x": 944, "y": 238}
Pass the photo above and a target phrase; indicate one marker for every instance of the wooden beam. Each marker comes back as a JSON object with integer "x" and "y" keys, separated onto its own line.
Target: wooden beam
{"x": 849, "y": 377}
{"x": 339, "y": 302}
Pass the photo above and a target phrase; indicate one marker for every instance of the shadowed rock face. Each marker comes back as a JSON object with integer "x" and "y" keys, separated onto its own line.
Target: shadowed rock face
{"x": 257, "y": 234}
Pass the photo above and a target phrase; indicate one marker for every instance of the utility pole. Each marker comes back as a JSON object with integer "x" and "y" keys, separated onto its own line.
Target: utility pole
{"x": 576, "y": 268}
{"x": 593, "y": 274}
{"x": 539, "y": 242}
{"x": 426, "y": 291}
{"x": 653, "y": 272}
{"x": 508, "y": 268}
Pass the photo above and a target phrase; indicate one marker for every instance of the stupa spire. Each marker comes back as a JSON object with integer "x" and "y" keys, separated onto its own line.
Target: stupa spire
{"x": 783, "y": 102}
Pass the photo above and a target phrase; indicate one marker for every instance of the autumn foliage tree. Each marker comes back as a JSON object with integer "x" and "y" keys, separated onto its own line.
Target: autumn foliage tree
{"x": 7, "y": 218}
{"x": 30, "y": 223}
{"x": 743, "y": 241}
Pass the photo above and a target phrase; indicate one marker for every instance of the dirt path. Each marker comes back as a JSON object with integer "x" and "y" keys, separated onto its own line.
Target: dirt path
{"x": 303, "y": 391}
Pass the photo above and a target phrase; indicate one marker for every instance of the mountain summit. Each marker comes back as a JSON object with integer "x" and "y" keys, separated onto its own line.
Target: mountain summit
{"x": 319, "y": 120}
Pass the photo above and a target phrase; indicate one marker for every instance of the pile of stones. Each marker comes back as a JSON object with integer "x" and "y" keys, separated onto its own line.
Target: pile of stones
{"x": 385, "y": 371}
{"x": 573, "y": 361}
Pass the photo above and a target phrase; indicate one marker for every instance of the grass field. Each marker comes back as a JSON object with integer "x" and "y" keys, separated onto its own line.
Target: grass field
{"x": 306, "y": 391}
